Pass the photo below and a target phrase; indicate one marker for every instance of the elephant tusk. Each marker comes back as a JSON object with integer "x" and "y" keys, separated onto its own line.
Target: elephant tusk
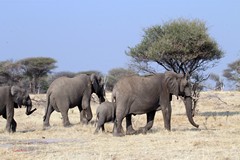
{"x": 195, "y": 98}
{"x": 28, "y": 113}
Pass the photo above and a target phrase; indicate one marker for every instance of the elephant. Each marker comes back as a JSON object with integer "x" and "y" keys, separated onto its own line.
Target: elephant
{"x": 147, "y": 94}
{"x": 65, "y": 93}
{"x": 105, "y": 113}
{"x": 13, "y": 97}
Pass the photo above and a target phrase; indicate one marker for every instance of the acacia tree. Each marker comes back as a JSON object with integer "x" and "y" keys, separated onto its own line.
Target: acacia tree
{"x": 36, "y": 68}
{"x": 180, "y": 45}
{"x": 10, "y": 73}
{"x": 232, "y": 73}
{"x": 56, "y": 75}
{"x": 115, "y": 74}
{"x": 218, "y": 81}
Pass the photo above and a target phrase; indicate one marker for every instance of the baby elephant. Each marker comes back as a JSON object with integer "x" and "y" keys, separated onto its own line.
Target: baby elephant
{"x": 105, "y": 113}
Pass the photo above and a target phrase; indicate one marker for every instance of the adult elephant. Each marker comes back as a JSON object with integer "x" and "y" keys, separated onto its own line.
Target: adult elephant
{"x": 138, "y": 95}
{"x": 13, "y": 97}
{"x": 65, "y": 93}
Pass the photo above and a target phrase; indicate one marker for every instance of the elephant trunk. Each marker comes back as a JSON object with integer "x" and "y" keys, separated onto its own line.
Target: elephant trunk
{"x": 101, "y": 99}
{"x": 189, "y": 110}
{"x": 29, "y": 107}
{"x": 88, "y": 114}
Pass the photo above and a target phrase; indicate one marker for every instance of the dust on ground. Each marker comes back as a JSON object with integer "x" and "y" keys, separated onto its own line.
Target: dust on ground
{"x": 218, "y": 136}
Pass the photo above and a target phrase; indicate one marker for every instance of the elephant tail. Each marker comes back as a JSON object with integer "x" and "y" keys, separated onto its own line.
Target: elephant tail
{"x": 46, "y": 109}
{"x": 114, "y": 104}
{"x": 97, "y": 118}
{"x": 114, "y": 96}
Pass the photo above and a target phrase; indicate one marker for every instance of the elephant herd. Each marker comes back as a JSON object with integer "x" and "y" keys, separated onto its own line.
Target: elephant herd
{"x": 131, "y": 95}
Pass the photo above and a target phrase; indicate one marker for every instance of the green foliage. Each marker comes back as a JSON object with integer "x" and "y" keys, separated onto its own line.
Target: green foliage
{"x": 218, "y": 82}
{"x": 10, "y": 73}
{"x": 37, "y": 66}
{"x": 232, "y": 73}
{"x": 54, "y": 76}
{"x": 35, "y": 69}
{"x": 98, "y": 73}
{"x": 115, "y": 74}
{"x": 179, "y": 45}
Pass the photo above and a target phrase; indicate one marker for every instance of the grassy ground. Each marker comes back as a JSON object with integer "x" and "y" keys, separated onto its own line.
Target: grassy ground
{"x": 217, "y": 138}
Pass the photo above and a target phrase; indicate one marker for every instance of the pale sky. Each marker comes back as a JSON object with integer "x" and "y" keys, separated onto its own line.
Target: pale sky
{"x": 94, "y": 34}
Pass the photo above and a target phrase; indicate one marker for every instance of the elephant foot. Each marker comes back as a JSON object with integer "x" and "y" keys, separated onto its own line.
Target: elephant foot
{"x": 46, "y": 126}
{"x": 8, "y": 130}
{"x": 116, "y": 134}
{"x": 96, "y": 131}
{"x": 131, "y": 132}
{"x": 67, "y": 124}
{"x": 13, "y": 129}
{"x": 142, "y": 130}
{"x": 84, "y": 121}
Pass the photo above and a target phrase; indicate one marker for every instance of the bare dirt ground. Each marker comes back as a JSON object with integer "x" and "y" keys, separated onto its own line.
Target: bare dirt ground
{"x": 218, "y": 136}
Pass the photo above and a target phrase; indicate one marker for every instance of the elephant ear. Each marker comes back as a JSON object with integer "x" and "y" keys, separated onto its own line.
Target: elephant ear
{"x": 94, "y": 81}
{"x": 172, "y": 81}
{"x": 183, "y": 83}
{"x": 14, "y": 90}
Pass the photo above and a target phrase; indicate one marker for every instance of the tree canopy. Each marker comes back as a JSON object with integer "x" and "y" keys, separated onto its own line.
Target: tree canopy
{"x": 10, "y": 73}
{"x": 115, "y": 74}
{"x": 36, "y": 68}
{"x": 232, "y": 73}
{"x": 218, "y": 81}
{"x": 180, "y": 45}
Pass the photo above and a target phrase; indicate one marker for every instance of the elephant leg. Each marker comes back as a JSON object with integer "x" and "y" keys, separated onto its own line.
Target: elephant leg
{"x": 129, "y": 128}
{"x": 117, "y": 128}
{"x": 167, "y": 111}
{"x": 86, "y": 109}
{"x": 13, "y": 125}
{"x": 66, "y": 122}
{"x": 4, "y": 115}
{"x": 100, "y": 124}
{"x": 121, "y": 113}
{"x": 97, "y": 129}
{"x": 63, "y": 108}
{"x": 150, "y": 120}
{"x": 9, "y": 116}
{"x": 81, "y": 113}
{"x": 46, "y": 118}
{"x": 83, "y": 118}
{"x": 103, "y": 128}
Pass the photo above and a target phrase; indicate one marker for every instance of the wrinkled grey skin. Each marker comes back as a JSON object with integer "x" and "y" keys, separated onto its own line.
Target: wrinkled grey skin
{"x": 105, "y": 113}
{"x": 10, "y": 98}
{"x": 139, "y": 95}
{"x": 65, "y": 93}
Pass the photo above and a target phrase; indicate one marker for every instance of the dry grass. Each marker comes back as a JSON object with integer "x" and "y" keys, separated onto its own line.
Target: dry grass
{"x": 217, "y": 138}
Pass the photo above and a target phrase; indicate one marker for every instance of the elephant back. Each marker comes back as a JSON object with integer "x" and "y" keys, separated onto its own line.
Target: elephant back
{"x": 75, "y": 84}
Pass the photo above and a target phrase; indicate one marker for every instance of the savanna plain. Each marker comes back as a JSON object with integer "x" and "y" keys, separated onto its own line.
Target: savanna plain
{"x": 218, "y": 137}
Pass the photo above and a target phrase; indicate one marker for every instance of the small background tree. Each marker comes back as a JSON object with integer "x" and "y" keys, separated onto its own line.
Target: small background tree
{"x": 52, "y": 77}
{"x": 36, "y": 69}
{"x": 10, "y": 73}
{"x": 115, "y": 74}
{"x": 218, "y": 81}
{"x": 232, "y": 73}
